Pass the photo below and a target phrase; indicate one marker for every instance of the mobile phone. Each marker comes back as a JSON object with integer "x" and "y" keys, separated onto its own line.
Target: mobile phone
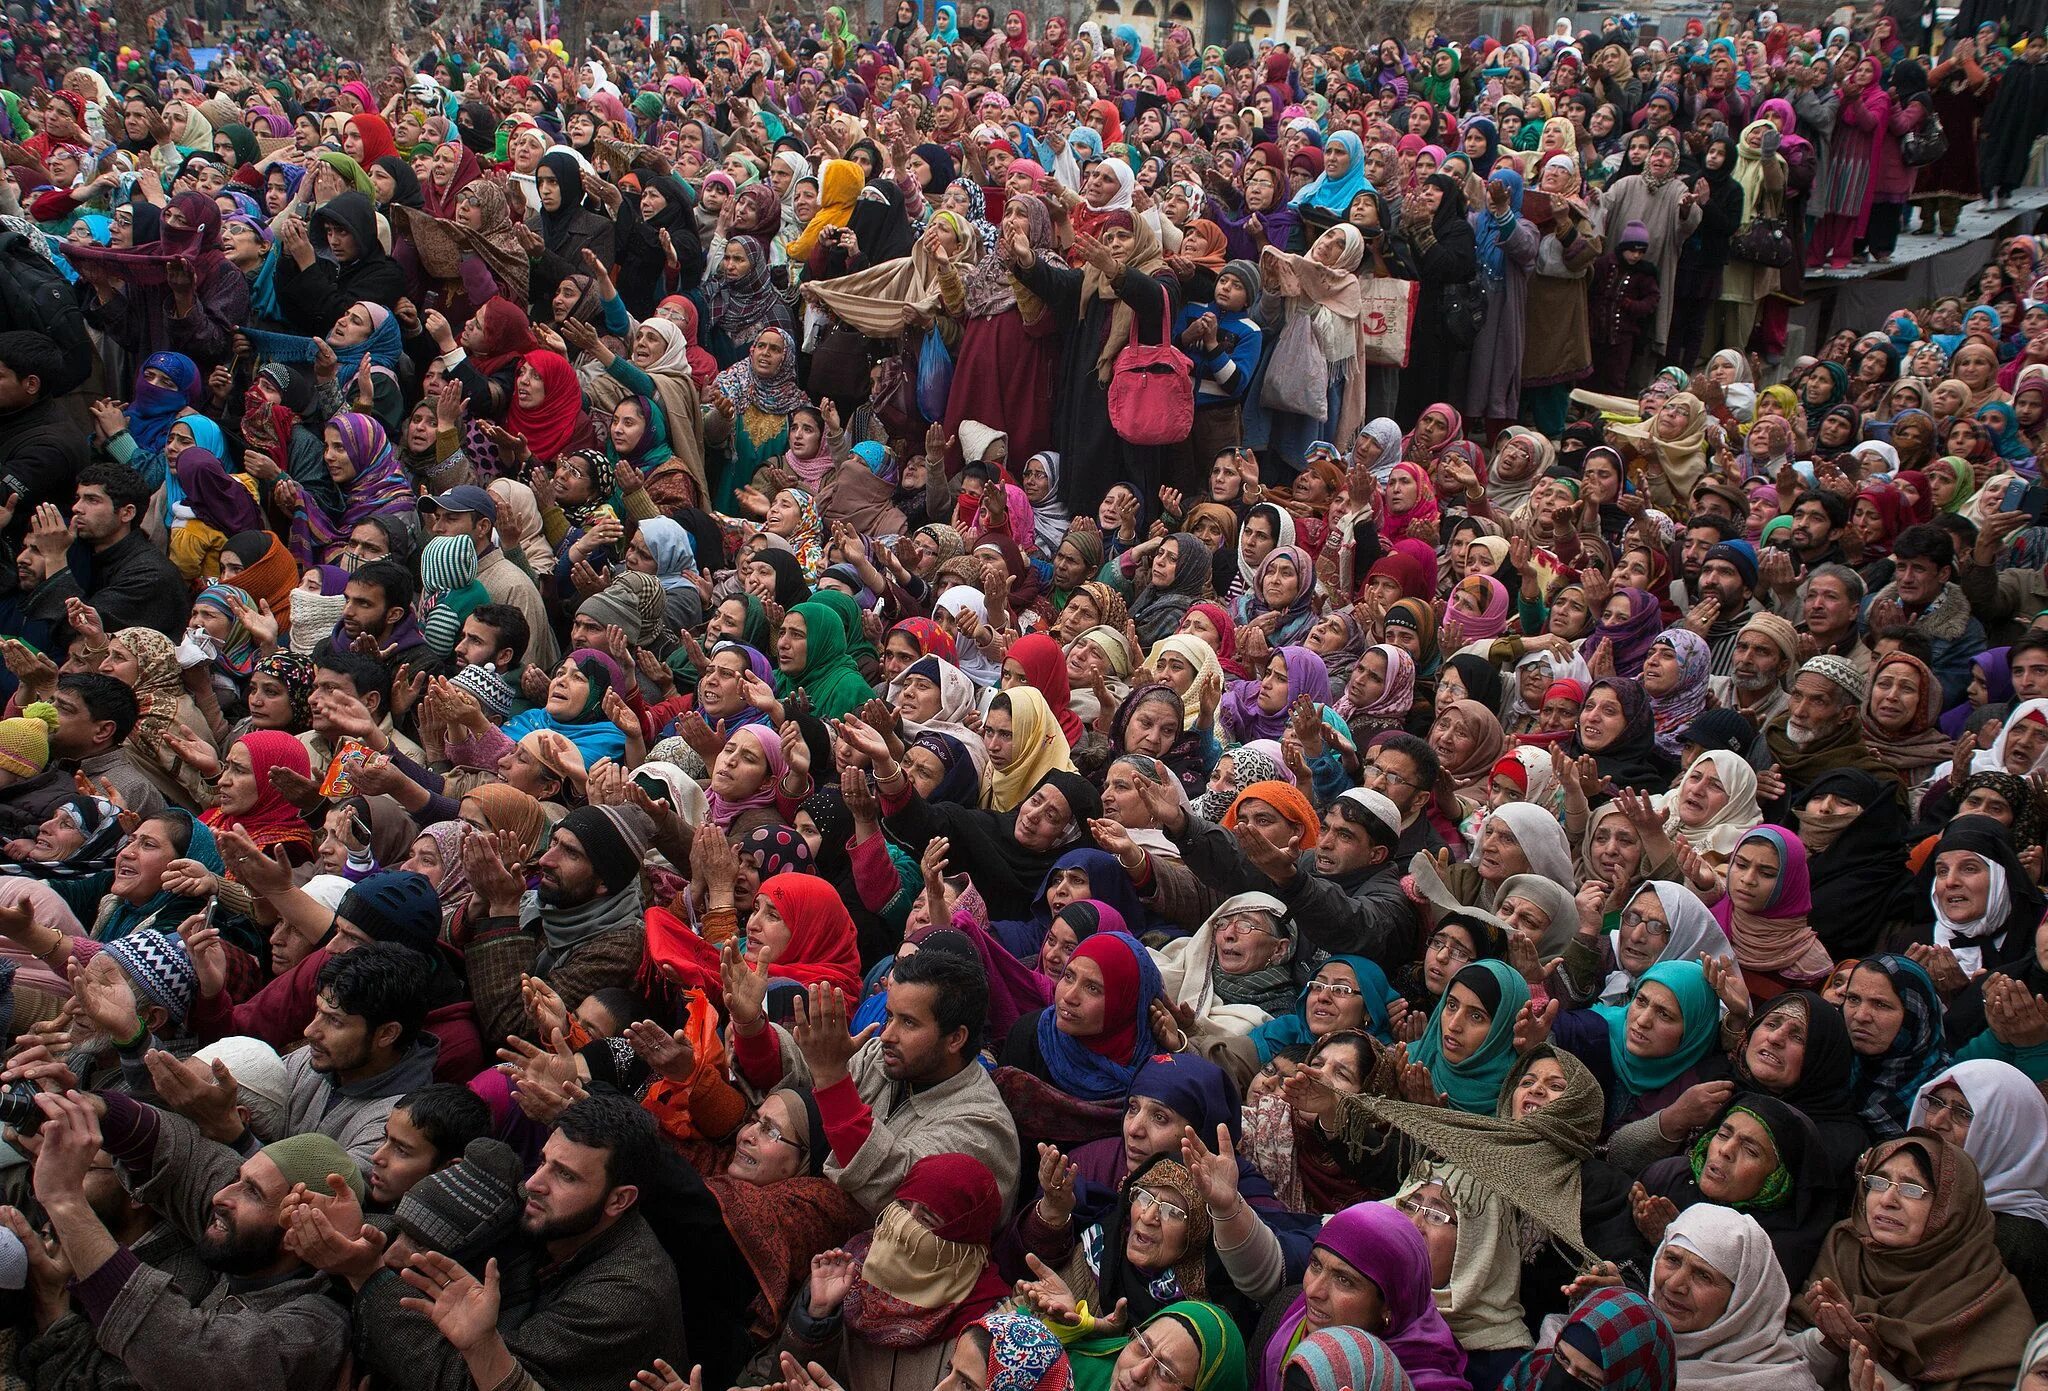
{"x": 2032, "y": 500}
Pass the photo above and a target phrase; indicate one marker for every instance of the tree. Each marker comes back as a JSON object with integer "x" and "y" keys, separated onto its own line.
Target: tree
{"x": 362, "y": 29}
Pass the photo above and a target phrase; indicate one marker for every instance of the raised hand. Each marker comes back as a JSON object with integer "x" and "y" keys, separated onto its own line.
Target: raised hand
{"x": 819, "y": 1027}
{"x": 463, "y": 1309}
{"x": 1652, "y": 1213}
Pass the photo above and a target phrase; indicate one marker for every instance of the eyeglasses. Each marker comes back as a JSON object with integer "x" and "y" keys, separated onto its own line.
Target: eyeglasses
{"x": 1911, "y": 1192}
{"x": 1450, "y": 946}
{"x": 1428, "y": 1212}
{"x": 1336, "y": 989}
{"x": 773, "y": 1132}
{"x": 1959, "y": 1110}
{"x": 1154, "y": 1370}
{"x": 1373, "y": 772}
{"x": 1144, "y": 1202}
{"x": 1656, "y": 927}
{"x": 1246, "y": 924}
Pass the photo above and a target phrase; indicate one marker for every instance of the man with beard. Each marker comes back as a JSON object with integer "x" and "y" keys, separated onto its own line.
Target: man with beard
{"x": 1727, "y": 580}
{"x": 1703, "y": 532}
{"x": 364, "y": 1050}
{"x": 1766, "y": 651}
{"x": 1820, "y": 731}
{"x": 606, "y": 1301}
{"x": 1817, "y": 521}
{"x": 271, "y": 1324}
{"x": 887, "y": 1101}
{"x": 588, "y": 913}
{"x": 1924, "y": 596}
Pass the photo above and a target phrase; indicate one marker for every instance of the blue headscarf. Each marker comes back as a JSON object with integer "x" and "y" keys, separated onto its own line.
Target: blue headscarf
{"x": 382, "y": 347}
{"x": 154, "y": 409}
{"x": 946, "y": 28}
{"x": 675, "y": 555}
{"x": 1492, "y": 232}
{"x": 201, "y": 848}
{"x": 263, "y": 301}
{"x": 2002, "y": 423}
{"x": 1107, "y": 883}
{"x": 1072, "y": 1064}
{"x": 205, "y": 435}
{"x": 1473, "y": 1086}
{"x": 1291, "y": 1030}
{"x": 1334, "y": 196}
{"x": 1483, "y": 165}
{"x": 1697, "y": 1004}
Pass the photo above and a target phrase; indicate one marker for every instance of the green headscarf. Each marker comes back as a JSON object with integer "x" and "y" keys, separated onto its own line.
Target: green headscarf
{"x": 348, "y": 169}
{"x": 1696, "y": 1003}
{"x": 247, "y": 151}
{"x": 830, "y": 677}
{"x": 849, "y": 610}
{"x": 1473, "y": 1085}
{"x": 1966, "y": 481}
{"x": 1216, "y": 1336}
{"x": 18, "y": 129}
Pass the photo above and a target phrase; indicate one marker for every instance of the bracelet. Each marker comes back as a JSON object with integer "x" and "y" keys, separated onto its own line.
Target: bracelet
{"x": 1230, "y": 1215}
{"x": 141, "y": 1033}
{"x": 1133, "y": 869}
{"x": 1039, "y": 1208}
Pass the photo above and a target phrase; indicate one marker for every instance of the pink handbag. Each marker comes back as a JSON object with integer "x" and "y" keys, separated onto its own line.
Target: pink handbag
{"x": 1152, "y": 388}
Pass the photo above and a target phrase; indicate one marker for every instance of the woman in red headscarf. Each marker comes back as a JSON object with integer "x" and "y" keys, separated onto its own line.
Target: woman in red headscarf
{"x": 547, "y": 407}
{"x": 681, "y": 311}
{"x": 1037, "y": 660}
{"x": 372, "y": 140}
{"x": 252, "y": 804}
{"x": 803, "y": 931}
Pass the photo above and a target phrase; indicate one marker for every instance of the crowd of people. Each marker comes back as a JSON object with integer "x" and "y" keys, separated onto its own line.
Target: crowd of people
{"x": 1003, "y": 705}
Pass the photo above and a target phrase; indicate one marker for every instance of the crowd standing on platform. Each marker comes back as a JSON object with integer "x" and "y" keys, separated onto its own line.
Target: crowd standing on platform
{"x": 982, "y": 702}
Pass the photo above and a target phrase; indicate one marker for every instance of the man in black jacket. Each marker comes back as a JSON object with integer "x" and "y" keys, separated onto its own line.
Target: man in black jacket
{"x": 119, "y": 571}
{"x": 316, "y": 291}
{"x": 41, "y": 448}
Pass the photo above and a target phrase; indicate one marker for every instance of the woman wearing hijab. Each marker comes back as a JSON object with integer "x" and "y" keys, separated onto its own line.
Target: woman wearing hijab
{"x": 1744, "y": 1346}
{"x": 1446, "y": 255}
{"x": 1090, "y": 1042}
{"x": 1617, "y": 728}
{"x": 1260, "y": 709}
{"x": 1916, "y": 1275}
{"x": 1281, "y": 597}
{"x": 1468, "y": 1044}
{"x": 1895, "y": 1024}
{"x": 1983, "y": 902}
{"x": 1995, "y": 1113}
{"x": 372, "y": 485}
{"x": 813, "y": 656}
{"x": 574, "y": 706}
{"x": 1370, "y": 1244}
{"x": 251, "y": 803}
{"x": 1614, "y": 1334}
{"x": 136, "y": 303}
{"x": 801, "y": 920}
{"x": 750, "y": 405}
{"x": 1653, "y": 1045}
{"x": 1176, "y": 576}
{"x": 1003, "y": 368}
{"x": 1763, "y": 909}
{"x": 1797, "y": 1050}
{"x": 1040, "y": 664}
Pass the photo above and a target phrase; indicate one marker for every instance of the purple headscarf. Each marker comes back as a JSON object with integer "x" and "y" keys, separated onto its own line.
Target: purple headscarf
{"x": 379, "y": 485}
{"x": 1633, "y": 638}
{"x": 1306, "y": 676}
{"x": 215, "y": 498}
{"x": 1381, "y": 1244}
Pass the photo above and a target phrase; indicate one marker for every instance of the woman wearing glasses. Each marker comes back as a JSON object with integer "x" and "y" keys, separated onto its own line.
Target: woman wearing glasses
{"x": 1997, "y": 1115}
{"x": 1912, "y": 1277}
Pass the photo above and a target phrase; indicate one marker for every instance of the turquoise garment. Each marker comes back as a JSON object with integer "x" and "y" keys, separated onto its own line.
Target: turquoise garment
{"x": 1696, "y": 1002}
{"x": 1291, "y": 1030}
{"x": 1333, "y": 196}
{"x": 594, "y": 739}
{"x": 1473, "y": 1085}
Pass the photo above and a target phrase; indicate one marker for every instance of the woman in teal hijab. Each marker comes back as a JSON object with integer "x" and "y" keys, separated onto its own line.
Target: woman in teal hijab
{"x": 812, "y": 656}
{"x": 1192, "y": 1344}
{"x": 1292, "y": 1030}
{"x": 1469, "y": 1044}
{"x": 850, "y": 618}
{"x": 1677, "y": 1017}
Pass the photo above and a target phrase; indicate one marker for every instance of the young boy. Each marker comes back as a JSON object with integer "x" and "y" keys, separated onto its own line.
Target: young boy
{"x": 1624, "y": 301}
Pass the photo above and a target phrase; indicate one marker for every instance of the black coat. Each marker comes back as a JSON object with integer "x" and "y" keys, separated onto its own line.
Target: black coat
{"x": 316, "y": 297}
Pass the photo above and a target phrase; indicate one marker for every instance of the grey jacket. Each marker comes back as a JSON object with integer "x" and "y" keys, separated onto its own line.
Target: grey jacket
{"x": 352, "y": 1115}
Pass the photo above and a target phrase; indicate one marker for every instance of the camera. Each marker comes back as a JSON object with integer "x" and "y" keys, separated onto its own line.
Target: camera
{"x": 18, "y": 1107}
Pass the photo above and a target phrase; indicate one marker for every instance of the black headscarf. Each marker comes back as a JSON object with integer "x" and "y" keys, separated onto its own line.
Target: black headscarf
{"x": 1821, "y": 1092}
{"x": 1633, "y": 760}
{"x": 1452, "y": 208}
{"x": 681, "y": 209}
{"x": 405, "y": 192}
{"x": 1860, "y": 882}
{"x": 2008, "y": 941}
{"x": 1481, "y": 678}
{"x": 358, "y": 216}
{"x": 477, "y": 125}
{"x": 791, "y": 588}
{"x": 944, "y": 171}
{"x": 880, "y": 225}
{"x": 568, "y": 173}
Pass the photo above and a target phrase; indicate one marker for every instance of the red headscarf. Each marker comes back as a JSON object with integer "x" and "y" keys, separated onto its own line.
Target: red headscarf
{"x": 1112, "y": 956}
{"x": 377, "y": 138}
{"x": 507, "y": 336}
{"x": 559, "y": 423}
{"x": 1226, "y": 637}
{"x": 963, "y": 1206}
{"x": 273, "y": 820}
{"x": 1045, "y": 667}
{"x": 440, "y": 202}
{"x": 822, "y": 948}
{"x": 703, "y": 366}
{"x": 930, "y": 638}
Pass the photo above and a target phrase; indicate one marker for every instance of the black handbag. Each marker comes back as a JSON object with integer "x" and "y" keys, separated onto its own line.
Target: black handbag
{"x": 1464, "y": 309}
{"x": 1764, "y": 242}
{"x": 840, "y": 364}
{"x": 1925, "y": 144}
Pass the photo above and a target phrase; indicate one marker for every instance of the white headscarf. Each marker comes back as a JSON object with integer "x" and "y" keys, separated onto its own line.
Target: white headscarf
{"x": 1049, "y": 519}
{"x": 1738, "y": 816}
{"x": 980, "y": 670}
{"x": 2005, "y": 1137}
{"x": 1747, "y": 1348}
{"x": 1120, "y": 201}
{"x": 1694, "y": 934}
{"x": 958, "y": 698}
{"x": 1992, "y": 760}
{"x": 1541, "y": 838}
{"x": 1983, "y": 927}
{"x": 1187, "y": 967}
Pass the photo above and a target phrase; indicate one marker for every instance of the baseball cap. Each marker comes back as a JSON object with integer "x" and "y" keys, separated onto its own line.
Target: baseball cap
{"x": 465, "y": 498}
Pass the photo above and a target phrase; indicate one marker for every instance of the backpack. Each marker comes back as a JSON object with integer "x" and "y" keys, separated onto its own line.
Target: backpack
{"x": 34, "y": 295}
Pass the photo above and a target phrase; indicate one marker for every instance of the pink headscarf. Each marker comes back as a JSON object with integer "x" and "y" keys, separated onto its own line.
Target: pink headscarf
{"x": 723, "y": 811}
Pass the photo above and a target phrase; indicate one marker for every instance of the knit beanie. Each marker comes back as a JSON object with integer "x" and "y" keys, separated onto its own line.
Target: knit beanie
{"x": 1782, "y": 634}
{"x": 310, "y": 1158}
{"x": 1741, "y": 555}
{"x": 1842, "y": 672}
{"x": 1245, "y": 273}
{"x": 615, "y": 839}
{"x": 468, "y": 1207}
{"x": 25, "y": 740}
{"x": 158, "y": 969}
{"x": 1633, "y": 234}
{"x": 492, "y": 691}
{"x": 396, "y": 905}
{"x": 259, "y": 1078}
